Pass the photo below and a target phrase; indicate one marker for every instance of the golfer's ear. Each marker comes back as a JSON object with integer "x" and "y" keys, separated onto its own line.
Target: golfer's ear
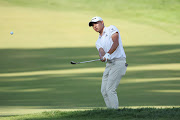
{"x": 102, "y": 22}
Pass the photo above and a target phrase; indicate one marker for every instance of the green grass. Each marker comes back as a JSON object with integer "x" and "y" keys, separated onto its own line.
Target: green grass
{"x": 159, "y": 13}
{"x": 77, "y": 89}
{"x": 38, "y": 24}
{"x": 103, "y": 114}
{"x": 35, "y": 69}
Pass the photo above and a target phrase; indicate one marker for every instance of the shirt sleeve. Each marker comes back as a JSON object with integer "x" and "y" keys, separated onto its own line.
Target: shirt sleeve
{"x": 98, "y": 45}
{"x": 113, "y": 30}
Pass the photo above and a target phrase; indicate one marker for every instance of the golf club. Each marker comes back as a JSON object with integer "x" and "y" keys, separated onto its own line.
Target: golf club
{"x": 72, "y": 62}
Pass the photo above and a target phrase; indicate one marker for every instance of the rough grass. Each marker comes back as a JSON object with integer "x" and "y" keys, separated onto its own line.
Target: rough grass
{"x": 104, "y": 114}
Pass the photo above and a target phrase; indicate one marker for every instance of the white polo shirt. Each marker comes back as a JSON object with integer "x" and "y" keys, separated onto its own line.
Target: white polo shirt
{"x": 105, "y": 42}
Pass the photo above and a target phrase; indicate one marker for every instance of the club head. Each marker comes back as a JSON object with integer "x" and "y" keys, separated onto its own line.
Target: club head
{"x": 72, "y": 62}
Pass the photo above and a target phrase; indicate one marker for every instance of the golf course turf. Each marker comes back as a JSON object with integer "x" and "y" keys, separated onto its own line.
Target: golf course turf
{"x": 35, "y": 70}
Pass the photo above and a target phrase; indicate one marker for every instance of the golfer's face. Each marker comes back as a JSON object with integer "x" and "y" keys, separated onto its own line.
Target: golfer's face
{"x": 98, "y": 26}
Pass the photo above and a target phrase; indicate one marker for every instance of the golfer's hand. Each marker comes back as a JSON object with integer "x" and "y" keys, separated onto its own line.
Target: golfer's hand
{"x": 103, "y": 60}
{"x": 106, "y": 57}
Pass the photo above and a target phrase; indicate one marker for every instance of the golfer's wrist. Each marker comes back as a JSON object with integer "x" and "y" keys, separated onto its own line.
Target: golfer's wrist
{"x": 108, "y": 53}
{"x": 107, "y": 56}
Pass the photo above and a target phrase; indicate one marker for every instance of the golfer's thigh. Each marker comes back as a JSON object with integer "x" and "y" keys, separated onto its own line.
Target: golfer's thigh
{"x": 105, "y": 78}
{"x": 121, "y": 67}
{"x": 116, "y": 73}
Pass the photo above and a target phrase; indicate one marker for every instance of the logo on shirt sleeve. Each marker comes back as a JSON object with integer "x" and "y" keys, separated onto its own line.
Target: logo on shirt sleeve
{"x": 112, "y": 29}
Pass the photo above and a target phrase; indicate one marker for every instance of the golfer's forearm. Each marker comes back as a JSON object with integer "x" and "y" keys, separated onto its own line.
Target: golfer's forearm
{"x": 101, "y": 53}
{"x": 115, "y": 39}
{"x": 113, "y": 47}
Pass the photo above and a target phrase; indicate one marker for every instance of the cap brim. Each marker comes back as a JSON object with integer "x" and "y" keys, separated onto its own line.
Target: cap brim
{"x": 91, "y": 23}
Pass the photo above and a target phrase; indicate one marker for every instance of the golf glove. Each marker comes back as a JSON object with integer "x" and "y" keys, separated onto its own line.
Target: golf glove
{"x": 107, "y": 56}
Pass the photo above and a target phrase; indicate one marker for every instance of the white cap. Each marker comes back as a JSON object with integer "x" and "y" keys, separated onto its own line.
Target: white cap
{"x": 95, "y": 19}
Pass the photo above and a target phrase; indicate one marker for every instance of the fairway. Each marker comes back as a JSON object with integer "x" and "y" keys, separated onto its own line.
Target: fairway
{"x": 35, "y": 70}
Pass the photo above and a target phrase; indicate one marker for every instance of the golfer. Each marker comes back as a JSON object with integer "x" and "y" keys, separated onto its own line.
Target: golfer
{"x": 111, "y": 50}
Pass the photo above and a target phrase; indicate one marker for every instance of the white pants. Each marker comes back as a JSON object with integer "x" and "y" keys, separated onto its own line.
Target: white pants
{"x": 110, "y": 81}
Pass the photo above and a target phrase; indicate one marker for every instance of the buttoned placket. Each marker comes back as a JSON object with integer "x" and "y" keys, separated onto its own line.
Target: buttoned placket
{"x": 102, "y": 34}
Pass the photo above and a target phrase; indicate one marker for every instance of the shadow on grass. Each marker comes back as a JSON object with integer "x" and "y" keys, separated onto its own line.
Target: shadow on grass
{"x": 83, "y": 90}
{"x": 22, "y": 60}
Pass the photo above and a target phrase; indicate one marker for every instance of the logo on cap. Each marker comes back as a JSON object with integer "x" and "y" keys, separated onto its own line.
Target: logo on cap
{"x": 95, "y": 19}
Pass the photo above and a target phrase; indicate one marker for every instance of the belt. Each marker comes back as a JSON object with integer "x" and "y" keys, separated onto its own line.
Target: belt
{"x": 116, "y": 59}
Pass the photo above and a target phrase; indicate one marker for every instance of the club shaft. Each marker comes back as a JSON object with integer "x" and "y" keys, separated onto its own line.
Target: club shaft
{"x": 89, "y": 61}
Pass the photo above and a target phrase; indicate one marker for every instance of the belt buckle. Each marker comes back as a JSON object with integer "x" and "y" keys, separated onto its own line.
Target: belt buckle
{"x": 110, "y": 61}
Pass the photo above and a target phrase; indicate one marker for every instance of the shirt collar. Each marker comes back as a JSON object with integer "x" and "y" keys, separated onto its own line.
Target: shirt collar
{"x": 104, "y": 31}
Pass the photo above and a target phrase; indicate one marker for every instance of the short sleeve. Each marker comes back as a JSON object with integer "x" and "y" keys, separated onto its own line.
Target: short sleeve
{"x": 98, "y": 45}
{"x": 113, "y": 30}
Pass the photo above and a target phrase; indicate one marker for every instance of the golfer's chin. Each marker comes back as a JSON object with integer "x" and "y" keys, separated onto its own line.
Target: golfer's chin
{"x": 96, "y": 30}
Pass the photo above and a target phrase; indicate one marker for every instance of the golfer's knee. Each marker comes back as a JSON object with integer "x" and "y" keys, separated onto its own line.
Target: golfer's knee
{"x": 103, "y": 92}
